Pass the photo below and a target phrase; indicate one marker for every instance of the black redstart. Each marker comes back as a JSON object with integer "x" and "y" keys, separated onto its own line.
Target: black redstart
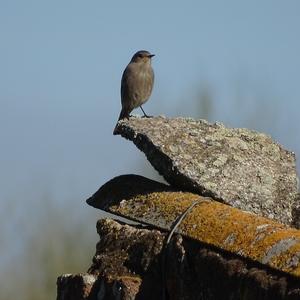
{"x": 137, "y": 83}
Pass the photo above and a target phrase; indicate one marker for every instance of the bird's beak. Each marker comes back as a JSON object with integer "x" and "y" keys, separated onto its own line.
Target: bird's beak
{"x": 151, "y": 55}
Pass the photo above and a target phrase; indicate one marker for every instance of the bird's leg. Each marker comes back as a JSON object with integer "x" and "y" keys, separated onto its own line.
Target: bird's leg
{"x": 145, "y": 115}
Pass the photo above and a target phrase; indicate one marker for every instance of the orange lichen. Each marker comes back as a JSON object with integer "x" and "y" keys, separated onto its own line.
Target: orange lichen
{"x": 219, "y": 225}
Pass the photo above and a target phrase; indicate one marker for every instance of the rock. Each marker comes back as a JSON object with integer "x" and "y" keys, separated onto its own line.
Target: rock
{"x": 223, "y": 227}
{"x": 93, "y": 287}
{"x": 77, "y": 287}
{"x": 128, "y": 256}
{"x": 296, "y": 213}
{"x": 125, "y": 187}
{"x": 239, "y": 167}
{"x": 132, "y": 263}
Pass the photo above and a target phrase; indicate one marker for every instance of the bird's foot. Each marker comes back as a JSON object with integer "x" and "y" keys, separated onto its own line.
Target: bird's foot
{"x": 147, "y": 116}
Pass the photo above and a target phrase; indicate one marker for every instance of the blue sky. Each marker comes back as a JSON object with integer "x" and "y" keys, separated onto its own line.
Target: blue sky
{"x": 61, "y": 64}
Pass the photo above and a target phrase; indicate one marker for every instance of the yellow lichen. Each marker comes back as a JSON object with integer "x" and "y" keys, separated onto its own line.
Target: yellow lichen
{"x": 216, "y": 224}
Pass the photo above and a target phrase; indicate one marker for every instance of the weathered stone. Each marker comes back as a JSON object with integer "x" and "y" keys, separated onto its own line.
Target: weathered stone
{"x": 240, "y": 167}
{"x": 125, "y": 187}
{"x": 226, "y": 228}
{"x": 296, "y": 213}
{"x": 219, "y": 252}
{"x": 94, "y": 287}
{"x": 128, "y": 265}
{"x": 77, "y": 287}
{"x": 129, "y": 256}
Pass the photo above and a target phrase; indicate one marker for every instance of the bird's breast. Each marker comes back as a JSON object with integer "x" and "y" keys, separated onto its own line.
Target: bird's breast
{"x": 137, "y": 83}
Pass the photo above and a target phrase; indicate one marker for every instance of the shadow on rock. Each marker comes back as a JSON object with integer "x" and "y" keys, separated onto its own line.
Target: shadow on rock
{"x": 125, "y": 187}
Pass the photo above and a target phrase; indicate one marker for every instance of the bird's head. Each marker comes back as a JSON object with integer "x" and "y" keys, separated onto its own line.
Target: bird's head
{"x": 142, "y": 56}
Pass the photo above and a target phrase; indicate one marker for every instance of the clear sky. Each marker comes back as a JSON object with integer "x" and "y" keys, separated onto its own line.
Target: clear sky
{"x": 60, "y": 68}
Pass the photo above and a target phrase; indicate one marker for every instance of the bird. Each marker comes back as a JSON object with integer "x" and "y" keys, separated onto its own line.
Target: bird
{"x": 136, "y": 83}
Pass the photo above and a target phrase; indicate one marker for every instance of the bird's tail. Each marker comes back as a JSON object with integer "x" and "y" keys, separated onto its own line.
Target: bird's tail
{"x": 123, "y": 114}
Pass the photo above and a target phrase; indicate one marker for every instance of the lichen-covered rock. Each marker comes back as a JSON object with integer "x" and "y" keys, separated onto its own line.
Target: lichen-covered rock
{"x": 240, "y": 167}
{"x": 128, "y": 265}
{"x": 255, "y": 238}
{"x": 125, "y": 187}
{"x": 296, "y": 213}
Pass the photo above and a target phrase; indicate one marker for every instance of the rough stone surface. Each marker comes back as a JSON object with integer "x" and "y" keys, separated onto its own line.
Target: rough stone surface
{"x": 128, "y": 265}
{"x": 240, "y": 167}
{"x": 125, "y": 187}
{"x": 125, "y": 251}
{"x": 94, "y": 287}
{"x": 77, "y": 287}
{"x": 296, "y": 213}
{"x": 224, "y": 227}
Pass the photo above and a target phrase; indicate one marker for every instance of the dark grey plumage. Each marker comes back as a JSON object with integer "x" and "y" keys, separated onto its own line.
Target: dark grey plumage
{"x": 137, "y": 83}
